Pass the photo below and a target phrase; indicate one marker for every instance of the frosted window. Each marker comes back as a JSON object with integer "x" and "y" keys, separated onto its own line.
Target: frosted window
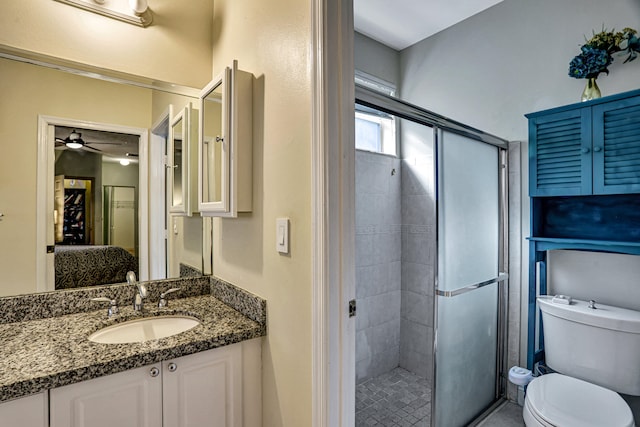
{"x": 375, "y": 131}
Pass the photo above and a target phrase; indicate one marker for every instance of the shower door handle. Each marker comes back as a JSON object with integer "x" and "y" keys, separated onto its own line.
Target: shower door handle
{"x": 463, "y": 290}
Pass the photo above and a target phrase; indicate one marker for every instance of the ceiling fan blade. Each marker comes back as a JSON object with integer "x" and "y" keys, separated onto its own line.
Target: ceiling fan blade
{"x": 107, "y": 143}
{"x": 86, "y": 147}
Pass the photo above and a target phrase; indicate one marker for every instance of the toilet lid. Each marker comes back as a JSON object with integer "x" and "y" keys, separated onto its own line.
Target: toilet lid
{"x": 569, "y": 402}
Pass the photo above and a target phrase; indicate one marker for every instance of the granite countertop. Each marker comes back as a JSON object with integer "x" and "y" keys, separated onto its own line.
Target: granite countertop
{"x": 42, "y": 354}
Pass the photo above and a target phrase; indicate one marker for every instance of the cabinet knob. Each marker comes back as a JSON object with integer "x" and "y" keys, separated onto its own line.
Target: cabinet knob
{"x": 597, "y": 149}
{"x": 584, "y": 150}
{"x": 172, "y": 367}
{"x": 154, "y": 372}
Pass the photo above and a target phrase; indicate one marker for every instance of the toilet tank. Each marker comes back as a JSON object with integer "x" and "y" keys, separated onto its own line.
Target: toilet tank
{"x": 601, "y": 345}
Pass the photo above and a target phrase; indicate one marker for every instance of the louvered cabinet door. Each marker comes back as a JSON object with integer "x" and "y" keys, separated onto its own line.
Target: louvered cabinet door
{"x": 560, "y": 154}
{"x": 616, "y": 147}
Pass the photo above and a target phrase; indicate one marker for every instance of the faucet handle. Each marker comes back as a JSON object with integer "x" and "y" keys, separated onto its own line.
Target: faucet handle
{"x": 113, "y": 305}
{"x": 592, "y": 304}
{"x": 163, "y": 301}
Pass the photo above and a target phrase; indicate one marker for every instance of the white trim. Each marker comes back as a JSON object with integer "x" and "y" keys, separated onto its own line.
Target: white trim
{"x": 43, "y": 173}
{"x": 333, "y": 222}
{"x": 320, "y": 373}
{"x": 157, "y": 195}
{"x": 223, "y": 206}
{"x": 42, "y": 206}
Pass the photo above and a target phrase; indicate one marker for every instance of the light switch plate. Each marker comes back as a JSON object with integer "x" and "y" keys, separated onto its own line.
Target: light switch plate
{"x": 282, "y": 235}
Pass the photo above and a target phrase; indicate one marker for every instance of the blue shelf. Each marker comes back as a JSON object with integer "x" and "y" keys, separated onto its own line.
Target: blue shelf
{"x": 551, "y": 243}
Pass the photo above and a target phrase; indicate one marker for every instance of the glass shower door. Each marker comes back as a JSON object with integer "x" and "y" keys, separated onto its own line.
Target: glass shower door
{"x": 467, "y": 291}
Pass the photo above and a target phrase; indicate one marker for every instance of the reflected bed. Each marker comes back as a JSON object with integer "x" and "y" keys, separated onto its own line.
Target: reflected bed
{"x": 77, "y": 266}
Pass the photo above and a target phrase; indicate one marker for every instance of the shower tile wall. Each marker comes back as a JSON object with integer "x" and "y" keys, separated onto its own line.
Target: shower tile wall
{"x": 418, "y": 246}
{"x": 378, "y": 264}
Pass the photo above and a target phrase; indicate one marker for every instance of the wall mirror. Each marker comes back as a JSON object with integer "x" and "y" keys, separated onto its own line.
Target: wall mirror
{"x": 225, "y": 144}
{"x": 57, "y": 92}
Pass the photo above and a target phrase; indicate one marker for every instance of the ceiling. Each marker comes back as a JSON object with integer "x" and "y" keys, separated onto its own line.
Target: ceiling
{"x": 113, "y": 146}
{"x": 402, "y": 23}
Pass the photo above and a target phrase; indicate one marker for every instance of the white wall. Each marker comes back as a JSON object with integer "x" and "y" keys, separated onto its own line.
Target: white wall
{"x": 376, "y": 59}
{"x": 611, "y": 279}
{"x": 511, "y": 59}
{"x": 175, "y": 48}
{"x": 272, "y": 40}
{"x": 491, "y": 69}
{"x": 31, "y": 90}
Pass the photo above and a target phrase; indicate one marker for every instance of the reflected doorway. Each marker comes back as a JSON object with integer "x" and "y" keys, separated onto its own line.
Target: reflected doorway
{"x": 90, "y": 156}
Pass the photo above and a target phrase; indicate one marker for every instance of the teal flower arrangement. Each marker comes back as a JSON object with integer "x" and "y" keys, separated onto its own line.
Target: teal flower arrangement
{"x": 597, "y": 53}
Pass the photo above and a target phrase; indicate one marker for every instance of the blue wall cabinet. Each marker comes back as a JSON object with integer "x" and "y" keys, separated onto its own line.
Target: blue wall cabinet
{"x": 586, "y": 148}
{"x": 584, "y": 183}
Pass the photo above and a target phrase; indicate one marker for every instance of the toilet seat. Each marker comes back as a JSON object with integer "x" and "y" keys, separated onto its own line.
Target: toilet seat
{"x": 561, "y": 401}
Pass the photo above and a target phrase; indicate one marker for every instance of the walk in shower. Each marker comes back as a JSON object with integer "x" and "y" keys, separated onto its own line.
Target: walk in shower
{"x": 431, "y": 260}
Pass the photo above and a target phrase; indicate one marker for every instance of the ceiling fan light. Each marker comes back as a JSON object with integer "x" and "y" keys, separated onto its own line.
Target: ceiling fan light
{"x": 74, "y": 145}
{"x": 124, "y": 162}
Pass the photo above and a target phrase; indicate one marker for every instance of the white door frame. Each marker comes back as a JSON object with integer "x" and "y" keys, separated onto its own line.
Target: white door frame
{"x": 44, "y": 192}
{"x": 158, "y": 238}
{"x": 333, "y": 210}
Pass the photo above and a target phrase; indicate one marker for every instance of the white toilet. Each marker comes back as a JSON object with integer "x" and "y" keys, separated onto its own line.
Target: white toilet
{"x": 596, "y": 352}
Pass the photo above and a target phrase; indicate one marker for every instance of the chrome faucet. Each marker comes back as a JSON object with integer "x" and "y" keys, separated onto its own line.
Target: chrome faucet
{"x": 140, "y": 295}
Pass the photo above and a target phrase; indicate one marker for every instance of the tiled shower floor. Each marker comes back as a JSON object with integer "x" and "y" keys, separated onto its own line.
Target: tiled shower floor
{"x": 396, "y": 398}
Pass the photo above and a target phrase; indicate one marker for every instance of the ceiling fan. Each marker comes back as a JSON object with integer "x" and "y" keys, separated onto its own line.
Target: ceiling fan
{"x": 74, "y": 141}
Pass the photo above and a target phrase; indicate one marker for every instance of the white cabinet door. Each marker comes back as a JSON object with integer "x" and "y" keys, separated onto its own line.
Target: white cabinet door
{"x": 204, "y": 389}
{"x": 225, "y": 141}
{"x": 30, "y": 411}
{"x": 128, "y": 399}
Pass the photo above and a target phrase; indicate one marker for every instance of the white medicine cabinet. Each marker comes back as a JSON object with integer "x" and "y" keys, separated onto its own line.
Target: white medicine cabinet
{"x": 225, "y": 144}
{"x": 181, "y": 177}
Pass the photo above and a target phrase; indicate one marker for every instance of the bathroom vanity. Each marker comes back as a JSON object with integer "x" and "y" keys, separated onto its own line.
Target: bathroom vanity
{"x": 53, "y": 375}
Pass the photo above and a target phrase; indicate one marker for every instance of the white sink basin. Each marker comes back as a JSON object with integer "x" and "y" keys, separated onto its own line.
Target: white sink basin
{"x": 145, "y": 329}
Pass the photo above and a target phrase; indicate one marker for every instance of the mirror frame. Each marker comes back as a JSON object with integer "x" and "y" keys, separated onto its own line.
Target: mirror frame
{"x": 183, "y": 208}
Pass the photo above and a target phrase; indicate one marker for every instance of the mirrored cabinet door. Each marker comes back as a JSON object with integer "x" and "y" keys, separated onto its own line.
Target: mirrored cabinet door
{"x": 175, "y": 161}
{"x": 213, "y": 167}
{"x": 179, "y": 162}
{"x": 225, "y": 144}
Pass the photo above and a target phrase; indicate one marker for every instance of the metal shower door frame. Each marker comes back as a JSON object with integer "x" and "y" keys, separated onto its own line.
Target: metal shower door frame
{"x": 414, "y": 113}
